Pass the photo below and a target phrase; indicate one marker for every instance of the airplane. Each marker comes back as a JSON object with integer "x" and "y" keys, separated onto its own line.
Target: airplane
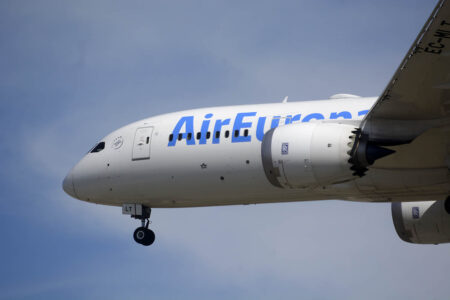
{"x": 392, "y": 148}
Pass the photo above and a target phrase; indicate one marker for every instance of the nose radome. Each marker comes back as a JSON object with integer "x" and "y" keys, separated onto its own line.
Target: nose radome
{"x": 68, "y": 186}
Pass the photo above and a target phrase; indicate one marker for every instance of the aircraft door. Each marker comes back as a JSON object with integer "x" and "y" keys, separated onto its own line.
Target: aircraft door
{"x": 141, "y": 145}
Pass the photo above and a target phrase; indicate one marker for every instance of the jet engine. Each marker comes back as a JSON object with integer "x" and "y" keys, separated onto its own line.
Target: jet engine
{"x": 302, "y": 155}
{"x": 316, "y": 154}
{"x": 426, "y": 222}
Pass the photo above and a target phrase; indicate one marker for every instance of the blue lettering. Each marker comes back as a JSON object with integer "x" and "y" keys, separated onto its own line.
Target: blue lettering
{"x": 342, "y": 114}
{"x": 260, "y": 128}
{"x": 204, "y": 130}
{"x": 363, "y": 112}
{"x": 290, "y": 119}
{"x": 275, "y": 122}
{"x": 217, "y": 128}
{"x": 188, "y": 122}
{"x": 314, "y": 116}
{"x": 296, "y": 118}
{"x": 240, "y": 124}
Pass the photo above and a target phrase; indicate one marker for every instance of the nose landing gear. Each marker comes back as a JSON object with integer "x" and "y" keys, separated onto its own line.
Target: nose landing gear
{"x": 142, "y": 235}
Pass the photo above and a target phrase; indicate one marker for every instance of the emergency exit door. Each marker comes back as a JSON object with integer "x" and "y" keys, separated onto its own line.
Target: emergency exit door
{"x": 142, "y": 142}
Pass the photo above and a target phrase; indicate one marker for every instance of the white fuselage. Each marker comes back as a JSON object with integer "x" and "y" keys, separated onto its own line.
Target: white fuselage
{"x": 160, "y": 162}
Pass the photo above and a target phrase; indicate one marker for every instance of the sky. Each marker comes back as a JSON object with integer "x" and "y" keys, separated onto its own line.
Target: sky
{"x": 73, "y": 71}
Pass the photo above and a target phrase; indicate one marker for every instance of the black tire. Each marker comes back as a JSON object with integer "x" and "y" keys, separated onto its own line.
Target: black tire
{"x": 149, "y": 237}
{"x": 144, "y": 236}
{"x": 447, "y": 205}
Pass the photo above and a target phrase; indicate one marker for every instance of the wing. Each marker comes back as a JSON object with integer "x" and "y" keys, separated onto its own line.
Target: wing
{"x": 418, "y": 96}
{"x": 408, "y": 126}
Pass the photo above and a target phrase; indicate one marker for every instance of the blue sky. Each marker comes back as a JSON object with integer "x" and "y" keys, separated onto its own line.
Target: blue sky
{"x": 72, "y": 71}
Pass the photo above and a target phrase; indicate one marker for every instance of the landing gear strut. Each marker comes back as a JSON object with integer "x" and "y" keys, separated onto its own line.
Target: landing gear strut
{"x": 142, "y": 235}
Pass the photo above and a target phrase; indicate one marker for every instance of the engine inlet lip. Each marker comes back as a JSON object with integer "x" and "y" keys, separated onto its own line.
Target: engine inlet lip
{"x": 399, "y": 225}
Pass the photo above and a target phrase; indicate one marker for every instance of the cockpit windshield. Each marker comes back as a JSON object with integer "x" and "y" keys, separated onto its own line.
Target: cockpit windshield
{"x": 99, "y": 147}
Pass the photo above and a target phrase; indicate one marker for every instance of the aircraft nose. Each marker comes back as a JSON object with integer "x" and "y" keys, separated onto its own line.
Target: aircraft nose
{"x": 68, "y": 186}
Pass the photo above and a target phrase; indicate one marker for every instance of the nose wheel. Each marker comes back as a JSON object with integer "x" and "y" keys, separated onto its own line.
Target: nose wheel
{"x": 142, "y": 235}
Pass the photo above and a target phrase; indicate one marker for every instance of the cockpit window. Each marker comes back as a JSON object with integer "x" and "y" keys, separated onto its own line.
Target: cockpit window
{"x": 100, "y": 146}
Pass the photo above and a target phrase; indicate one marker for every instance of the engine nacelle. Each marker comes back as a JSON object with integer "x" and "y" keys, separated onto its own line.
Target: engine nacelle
{"x": 426, "y": 222}
{"x": 308, "y": 154}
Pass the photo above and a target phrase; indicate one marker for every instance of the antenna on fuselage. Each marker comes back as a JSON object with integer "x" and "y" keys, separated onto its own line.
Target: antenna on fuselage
{"x": 285, "y": 99}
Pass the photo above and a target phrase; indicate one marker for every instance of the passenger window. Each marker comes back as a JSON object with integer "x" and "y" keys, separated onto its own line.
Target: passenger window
{"x": 189, "y": 136}
{"x": 227, "y": 134}
{"x": 99, "y": 147}
{"x": 148, "y": 139}
{"x": 171, "y": 137}
{"x": 217, "y": 134}
{"x": 180, "y": 136}
{"x": 199, "y": 135}
{"x": 246, "y": 132}
{"x": 236, "y": 133}
{"x": 208, "y": 135}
